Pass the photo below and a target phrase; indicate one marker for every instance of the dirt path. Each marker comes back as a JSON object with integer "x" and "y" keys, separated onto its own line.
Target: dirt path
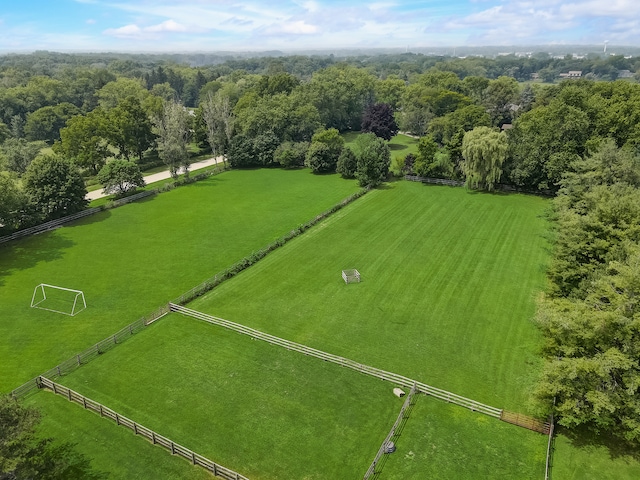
{"x": 156, "y": 177}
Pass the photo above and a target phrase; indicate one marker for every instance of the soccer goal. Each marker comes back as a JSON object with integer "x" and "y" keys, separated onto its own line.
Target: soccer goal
{"x": 58, "y": 299}
{"x": 351, "y": 276}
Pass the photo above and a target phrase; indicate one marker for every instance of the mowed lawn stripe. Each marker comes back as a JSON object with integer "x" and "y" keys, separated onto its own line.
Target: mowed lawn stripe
{"x": 261, "y": 410}
{"x": 448, "y": 291}
{"x": 130, "y": 260}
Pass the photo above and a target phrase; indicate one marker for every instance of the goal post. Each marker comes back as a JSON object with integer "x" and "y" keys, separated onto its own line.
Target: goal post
{"x": 52, "y": 298}
{"x": 351, "y": 276}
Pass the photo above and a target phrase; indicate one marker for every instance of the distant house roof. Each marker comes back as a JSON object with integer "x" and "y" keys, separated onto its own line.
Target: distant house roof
{"x": 572, "y": 74}
{"x": 625, "y": 74}
{"x": 506, "y": 126}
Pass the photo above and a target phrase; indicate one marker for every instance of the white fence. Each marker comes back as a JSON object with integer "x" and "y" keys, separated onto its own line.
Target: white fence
{"x": 375, "y": 372}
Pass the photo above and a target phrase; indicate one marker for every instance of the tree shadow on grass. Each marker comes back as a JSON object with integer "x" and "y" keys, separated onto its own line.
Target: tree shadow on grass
{"x": 397, "y": 146}
{"x": 581, "y": 437}
{"x": 28, "y": 252}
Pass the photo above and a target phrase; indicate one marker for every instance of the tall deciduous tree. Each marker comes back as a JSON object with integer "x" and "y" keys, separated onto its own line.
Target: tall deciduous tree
{"x": 219, "y": 120}
{"x": 373, "y": 160}
{"x": 378, "y": 119}
{"x": 120, "y": 176}
{"x": 83, "y": 140}
{"x": 129, "y": 128}
{"x": 12, "y": 203}
{"x": 46, "y": 122}
{"x": 172, "y": 128}
{"x": 484, "y": 151}
{"x": 326, "y": 146}
{"x": 19, "y": 153}
{"x": 54, "y": 186}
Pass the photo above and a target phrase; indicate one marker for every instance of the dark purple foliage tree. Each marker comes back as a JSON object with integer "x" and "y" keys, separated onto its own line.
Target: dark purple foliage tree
{"x": 378, "y": 119}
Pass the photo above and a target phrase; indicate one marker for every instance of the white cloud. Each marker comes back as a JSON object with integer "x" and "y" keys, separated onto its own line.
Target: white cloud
{"x": 133, "y": 31}
{"x": 90, "y": 21}
{"x": 124, "y": 32}
{"x": 298, "y": 27}
{"x": 167, "y": 26}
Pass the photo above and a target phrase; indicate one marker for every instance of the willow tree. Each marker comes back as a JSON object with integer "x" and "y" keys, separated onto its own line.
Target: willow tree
{"x": 484, "y": 150}
{"x": 172, "y": 128}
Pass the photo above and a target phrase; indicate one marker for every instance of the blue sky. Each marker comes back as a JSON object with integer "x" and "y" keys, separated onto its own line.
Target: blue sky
{"x": 209, "y": 25}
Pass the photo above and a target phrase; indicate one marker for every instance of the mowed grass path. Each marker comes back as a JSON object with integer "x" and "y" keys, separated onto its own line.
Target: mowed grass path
{"x": 130, "y": 260}
{"x": 449, "y": 280}
{"x": 259, "y": 409}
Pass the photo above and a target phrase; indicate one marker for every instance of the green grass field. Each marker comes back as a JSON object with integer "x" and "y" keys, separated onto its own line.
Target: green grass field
{"x": 259, "y": 409}
{"x": 449, "y": 284}
{"x": 130, "y": 260}
{"x": 400, "y": 145}
{"x": 112, "y": 449}
{"x": 443, "y": 441}
{"x": 449, "y": 280}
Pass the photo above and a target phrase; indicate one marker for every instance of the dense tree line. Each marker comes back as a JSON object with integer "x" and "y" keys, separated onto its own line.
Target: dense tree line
{"x": 591, "y": 316}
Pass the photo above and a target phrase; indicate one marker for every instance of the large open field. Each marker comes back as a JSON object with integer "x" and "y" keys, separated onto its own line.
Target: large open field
{"x": 449, "y": 282}
{"x": 130, "y": 260}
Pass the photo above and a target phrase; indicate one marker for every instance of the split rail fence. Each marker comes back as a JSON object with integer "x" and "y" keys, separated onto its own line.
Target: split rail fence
{"x": 153, "y": 437}
{"x": 92, "y": 352}
{"x": 403, "y": 416}
{"x": 549, "y": 462}
{"x": 344, "y": 362}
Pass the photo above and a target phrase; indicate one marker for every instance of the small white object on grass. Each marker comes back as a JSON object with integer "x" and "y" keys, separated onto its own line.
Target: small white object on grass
{"x": 398, "y": 392}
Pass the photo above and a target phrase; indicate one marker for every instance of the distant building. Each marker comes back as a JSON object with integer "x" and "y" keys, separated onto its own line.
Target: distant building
{"x": 506, "y": 126}
{"x": 625, "y": 74}
{"x": 535, "y": 76}
{"x": 572, "y": 74}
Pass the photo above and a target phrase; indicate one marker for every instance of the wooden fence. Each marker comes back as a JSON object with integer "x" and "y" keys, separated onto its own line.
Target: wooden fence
{"x": 70, "y": 218}
{"x": 434, "y": 181}
{"x": 526, "y": 422}
{"x": 344, "y": 362}
{"x": 394, "y": 433}
{"x": 89, "y": 354}
{"x": 549, "y": 462}
{"x": 153, "y": 437}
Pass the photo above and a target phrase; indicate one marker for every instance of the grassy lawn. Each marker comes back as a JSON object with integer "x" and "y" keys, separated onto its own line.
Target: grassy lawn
{"x": 259, "y": 409}
{"x": 585, "y": 457}
{"x": 449, "y": 281}
{"x": 443, "y": 441}
{"x": 130, "y": 260}
{"x": 112, "y": 449}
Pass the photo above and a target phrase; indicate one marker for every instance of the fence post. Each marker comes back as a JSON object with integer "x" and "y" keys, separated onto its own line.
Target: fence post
{"x": 78, "y": 358}
{"x": 135, "y": 428}
{"x": 100, "y": 409}
{"x": 173, "y": 448}
{"x": 117, "y": 419}
{"x": 193, "y": 457}
{"x": 153, "y": 437}
{"x": 59, "y": 372}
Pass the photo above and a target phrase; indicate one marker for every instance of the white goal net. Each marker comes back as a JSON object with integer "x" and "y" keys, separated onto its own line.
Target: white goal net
{"x": 58, "y": 299}
{"x": 351, "y": 276}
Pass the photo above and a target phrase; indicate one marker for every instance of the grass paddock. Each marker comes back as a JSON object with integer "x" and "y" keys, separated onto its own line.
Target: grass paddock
{"x": 130, "y": 260}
